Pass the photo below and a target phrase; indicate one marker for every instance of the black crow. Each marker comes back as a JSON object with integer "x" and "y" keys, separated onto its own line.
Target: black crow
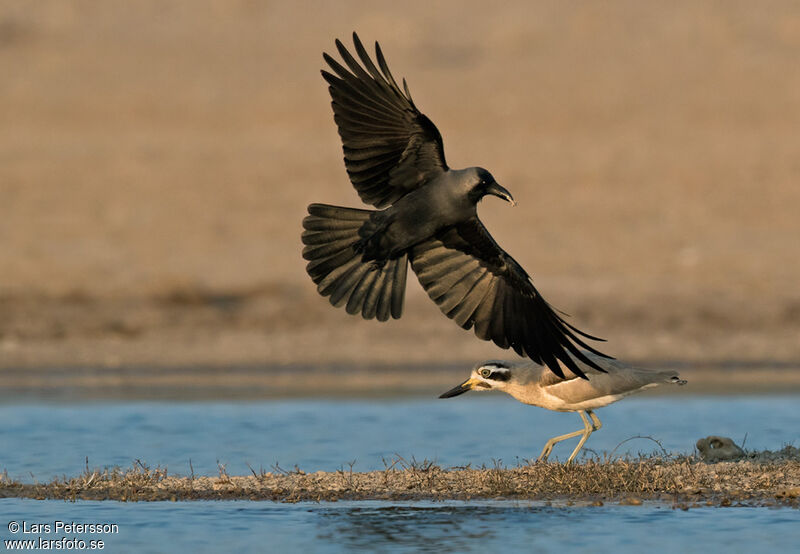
{"x": 427, "y": 215}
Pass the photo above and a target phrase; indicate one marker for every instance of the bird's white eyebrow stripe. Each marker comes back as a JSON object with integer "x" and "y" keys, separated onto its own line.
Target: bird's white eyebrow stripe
{"x": 497, "y": 372}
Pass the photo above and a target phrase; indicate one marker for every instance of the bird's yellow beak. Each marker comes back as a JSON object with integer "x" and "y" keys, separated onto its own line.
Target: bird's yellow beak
{"x": 466, "y": 386}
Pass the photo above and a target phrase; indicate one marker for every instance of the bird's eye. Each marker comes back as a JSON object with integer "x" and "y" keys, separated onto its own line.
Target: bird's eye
{"x": 484, "y": 372}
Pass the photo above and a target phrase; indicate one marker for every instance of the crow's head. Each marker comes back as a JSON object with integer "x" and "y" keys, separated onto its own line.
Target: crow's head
{"x": 485, "y": 184}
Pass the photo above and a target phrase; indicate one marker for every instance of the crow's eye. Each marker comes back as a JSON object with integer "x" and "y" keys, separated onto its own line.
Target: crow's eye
{"x": 485, "y": 372}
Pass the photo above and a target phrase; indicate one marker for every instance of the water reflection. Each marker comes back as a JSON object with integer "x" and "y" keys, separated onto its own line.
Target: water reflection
{"x": 451, "y": 526}
{"x": 441, "y": 528}
{"x": 407, "y": 525}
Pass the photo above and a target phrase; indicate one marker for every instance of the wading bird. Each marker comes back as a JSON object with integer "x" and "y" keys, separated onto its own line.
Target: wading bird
{"x": 533, "y": 384}
{"x": 427, "y": 215}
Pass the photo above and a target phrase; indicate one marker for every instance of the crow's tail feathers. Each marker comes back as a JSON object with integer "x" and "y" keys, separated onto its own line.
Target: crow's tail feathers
{"x": 332, "y": 247}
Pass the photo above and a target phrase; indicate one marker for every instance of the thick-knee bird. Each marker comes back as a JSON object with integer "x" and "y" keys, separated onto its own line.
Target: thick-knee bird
{"x": 533, "y": 384}
{"x": 427, "y": 215}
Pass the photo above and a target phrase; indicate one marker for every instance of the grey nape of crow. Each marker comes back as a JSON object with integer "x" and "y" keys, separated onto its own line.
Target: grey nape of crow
{"x": 427, "y": 215}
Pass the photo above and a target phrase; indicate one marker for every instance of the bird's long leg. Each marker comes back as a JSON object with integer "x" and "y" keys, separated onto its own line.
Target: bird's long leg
{"x": 596, "y": 420}
{"x": 548, "y": 447}
{"x": 590, "y": 427}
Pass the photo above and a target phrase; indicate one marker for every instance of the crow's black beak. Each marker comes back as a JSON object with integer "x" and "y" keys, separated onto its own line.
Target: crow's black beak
{"x": 466, "y": 386}
{"x": 496, "y": 190}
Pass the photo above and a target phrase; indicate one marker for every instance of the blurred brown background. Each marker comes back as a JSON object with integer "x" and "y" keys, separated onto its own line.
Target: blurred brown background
{"x": 156, "y": 159}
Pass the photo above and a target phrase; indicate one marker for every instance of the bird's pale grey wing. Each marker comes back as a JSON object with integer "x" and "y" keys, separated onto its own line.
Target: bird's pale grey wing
{"x": 620, "y": 380}
{"x": 548, "y": 378}
{"x": 477, "y": 284}
{"x": 617, "y": 378}
{"x": 390, "y": 147}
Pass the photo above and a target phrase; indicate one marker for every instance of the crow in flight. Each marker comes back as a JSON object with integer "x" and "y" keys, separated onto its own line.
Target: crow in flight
{"x": 427, "y": 215}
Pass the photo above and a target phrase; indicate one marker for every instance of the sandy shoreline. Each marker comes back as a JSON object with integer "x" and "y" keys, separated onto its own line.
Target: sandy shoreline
{"x": 292, "y": 325}
{"x": 260, "y": 382}
{"x": 156, "y": 163}
{"x": 285, "y": 341}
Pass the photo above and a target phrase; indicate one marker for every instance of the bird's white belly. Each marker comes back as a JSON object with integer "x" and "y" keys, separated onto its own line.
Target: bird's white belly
{"x": 556, "y": 403}
{"x": 552, "y": 402}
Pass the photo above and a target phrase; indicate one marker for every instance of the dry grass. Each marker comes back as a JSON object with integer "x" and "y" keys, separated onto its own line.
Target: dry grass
{"x": 764, "y": 478}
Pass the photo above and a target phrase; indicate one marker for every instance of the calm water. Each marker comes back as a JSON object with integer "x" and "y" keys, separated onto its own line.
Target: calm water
{"x": 42, "y": 441}
{"x": 239, "y": 526}
{"x": 45, "y": 441}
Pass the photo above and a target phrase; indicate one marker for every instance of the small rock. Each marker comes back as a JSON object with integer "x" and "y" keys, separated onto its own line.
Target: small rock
{"x": 793, "y": 492}
{"x": 718, "y": 449}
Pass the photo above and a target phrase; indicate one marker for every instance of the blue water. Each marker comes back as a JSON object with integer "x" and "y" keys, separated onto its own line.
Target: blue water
{"x": 42, "y": 441}
{"x": 240, "y": 526}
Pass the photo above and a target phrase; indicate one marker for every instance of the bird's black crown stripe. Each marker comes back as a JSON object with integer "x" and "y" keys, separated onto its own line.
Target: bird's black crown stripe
{"x": 500, "y": 376}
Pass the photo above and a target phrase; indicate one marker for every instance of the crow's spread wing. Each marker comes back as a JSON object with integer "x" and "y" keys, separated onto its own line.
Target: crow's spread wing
{"x": 390, "y": 147}
{"x": 475, "y": 283}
